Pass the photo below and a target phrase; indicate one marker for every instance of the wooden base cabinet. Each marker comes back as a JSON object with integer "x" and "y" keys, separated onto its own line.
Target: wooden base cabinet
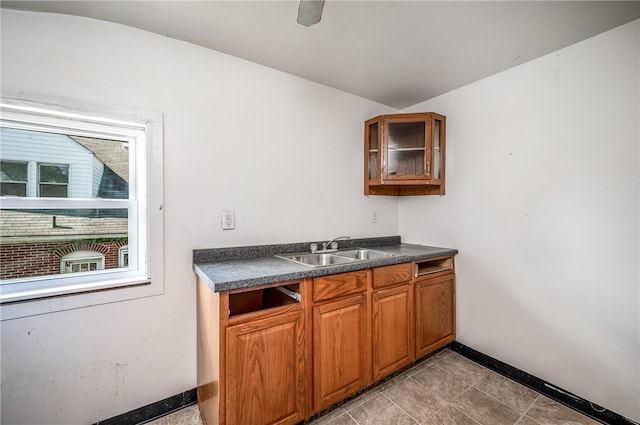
{"x": 339, "y": 350}
{"x": 252, "y": 356}
{"x": 265, "y": 377}
{"x": 393, "y": 323}
{"x": 435, "y": 313}
{"x": 341, "y": 338}
{"x": 265, "y": 358}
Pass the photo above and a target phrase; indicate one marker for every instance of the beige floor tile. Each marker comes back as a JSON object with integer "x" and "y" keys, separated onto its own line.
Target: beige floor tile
{"x": 343, "y": 419}
{"x": 328, "y": 417}
{"x": 394, "y": 381}
{"x": 361, "y": 399}
{"x": 188, "y": 416}
{"x": 525, "y": 420}
{"x": 459, "y": 366}
{"x": 437, "y": 392}
{"x": 548, "y": 412}
{"x": 420, "y": 366}
{"x": 414, "y": 399}
{"x": 440, "y": 382}
{"x": 380, "y": 411}
{"x": 485, "y": 409}
{"x": 450, "y": 416}
{"x": 507, "y": 391}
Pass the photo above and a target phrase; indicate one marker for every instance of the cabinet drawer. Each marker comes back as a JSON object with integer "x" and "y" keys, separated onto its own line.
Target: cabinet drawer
{"x": 327, "y": 287}
{"x": 390, "y": 275}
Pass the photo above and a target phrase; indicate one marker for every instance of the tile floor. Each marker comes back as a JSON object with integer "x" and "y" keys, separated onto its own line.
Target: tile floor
{"x": 447, "y": 389}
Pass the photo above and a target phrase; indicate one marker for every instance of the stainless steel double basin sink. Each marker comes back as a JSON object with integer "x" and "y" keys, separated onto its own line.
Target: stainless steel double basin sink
{"x": 321, "y": 259}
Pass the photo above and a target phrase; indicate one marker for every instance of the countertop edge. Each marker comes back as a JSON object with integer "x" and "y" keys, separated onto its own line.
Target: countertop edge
{"x": 257, "y": 251}
{"x": 295, "y": 272}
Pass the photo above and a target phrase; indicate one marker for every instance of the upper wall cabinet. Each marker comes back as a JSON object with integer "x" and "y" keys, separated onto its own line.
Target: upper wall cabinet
{"x": 404, "y": 154}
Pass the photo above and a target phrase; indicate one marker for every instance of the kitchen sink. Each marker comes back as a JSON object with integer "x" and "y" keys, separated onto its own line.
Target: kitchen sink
{"x": 333, "y": 258}
{"x": 363, "y": 254}
{"x": 316, "y": 260}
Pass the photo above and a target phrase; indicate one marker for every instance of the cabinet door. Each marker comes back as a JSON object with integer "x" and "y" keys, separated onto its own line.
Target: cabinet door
{"x": 373, "y": 151}
{"x": 341, "y": 350}
{"x": 435, "y": 313}
{"x": 265, "y": 381}
{"x": 393, "y": 330}
{"x": 436, "y": 150}
{"x": 406, "y": 147}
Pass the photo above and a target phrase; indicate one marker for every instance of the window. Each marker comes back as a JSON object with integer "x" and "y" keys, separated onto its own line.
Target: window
{"x": 53, "y": 180}
{"x": 123, "y": 257}
{"x": 13, "y": 178}
{"x": 82, "y": 261}
{"x": 74, "y": 205}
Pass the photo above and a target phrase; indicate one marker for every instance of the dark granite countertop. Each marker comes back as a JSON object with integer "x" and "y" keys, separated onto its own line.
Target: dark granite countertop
{"x": 224, "y": 269}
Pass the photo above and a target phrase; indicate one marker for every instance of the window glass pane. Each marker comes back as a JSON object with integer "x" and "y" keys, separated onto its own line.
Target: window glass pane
{"x": 13, "y": 189}
{"x": 13, "y": 171}
{"x": 54, "y": 174}
{"x": 43, "y": 242}
{"x": 89, "y": 167}
{"x": 13, "y": 178}
{"x": 53, "y": 190}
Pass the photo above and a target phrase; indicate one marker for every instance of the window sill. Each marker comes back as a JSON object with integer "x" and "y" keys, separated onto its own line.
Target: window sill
{"x": 52, "y": 304}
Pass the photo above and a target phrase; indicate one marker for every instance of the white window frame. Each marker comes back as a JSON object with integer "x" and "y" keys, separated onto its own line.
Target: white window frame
{"x": 144, "y": 276}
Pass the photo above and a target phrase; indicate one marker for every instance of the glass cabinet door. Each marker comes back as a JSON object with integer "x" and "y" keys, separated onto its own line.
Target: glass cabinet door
{"x": 434, "y": 164}
{"x": 406, "y": 149}
{"x": 373, "y": 150}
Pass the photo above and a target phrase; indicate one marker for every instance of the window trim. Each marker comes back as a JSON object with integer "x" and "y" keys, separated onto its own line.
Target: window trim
{"x": 92, "y": 290}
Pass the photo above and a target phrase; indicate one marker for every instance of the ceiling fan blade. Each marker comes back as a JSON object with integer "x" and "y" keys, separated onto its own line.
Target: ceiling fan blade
{"x": 310, "y": 12}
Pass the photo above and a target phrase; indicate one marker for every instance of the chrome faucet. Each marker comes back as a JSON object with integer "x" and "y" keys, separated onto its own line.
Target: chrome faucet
{"x": 330, "y": 246}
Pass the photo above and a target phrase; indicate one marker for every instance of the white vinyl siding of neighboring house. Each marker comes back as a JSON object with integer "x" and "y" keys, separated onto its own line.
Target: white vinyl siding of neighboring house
{"x": 49, "y": 148}
{"x": 98, "y": 169}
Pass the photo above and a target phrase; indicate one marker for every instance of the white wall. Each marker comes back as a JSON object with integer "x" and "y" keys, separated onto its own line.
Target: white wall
{"x": 543, "y": 203}
{"x": 284, "y": 153}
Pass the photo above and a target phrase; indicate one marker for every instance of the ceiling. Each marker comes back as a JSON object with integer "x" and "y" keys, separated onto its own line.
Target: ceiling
{"x": 398, "y": 53}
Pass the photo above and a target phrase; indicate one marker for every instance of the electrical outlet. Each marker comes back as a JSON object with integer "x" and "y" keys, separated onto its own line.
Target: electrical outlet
{"x": 374, "y": 216}
{"x": 228, "y": 220}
